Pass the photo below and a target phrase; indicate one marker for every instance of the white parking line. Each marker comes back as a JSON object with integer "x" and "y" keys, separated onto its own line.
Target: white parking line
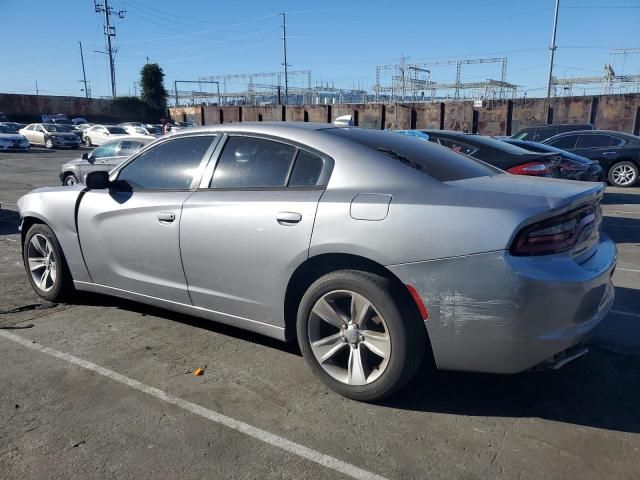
{"x": 262, "y": 435}
{"x": 628, "y": 270}
{"x": 627, "y": 314}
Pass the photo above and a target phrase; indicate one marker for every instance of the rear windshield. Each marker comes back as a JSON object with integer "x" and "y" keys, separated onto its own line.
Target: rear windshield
{"x": 116, "y": 130}
{"x": 436, "y": 161}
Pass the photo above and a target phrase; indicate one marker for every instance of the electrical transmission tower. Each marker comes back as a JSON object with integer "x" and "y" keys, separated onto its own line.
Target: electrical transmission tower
{"x": 109, "y": 32}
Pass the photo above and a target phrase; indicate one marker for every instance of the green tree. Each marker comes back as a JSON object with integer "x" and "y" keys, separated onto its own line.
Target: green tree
{"x": 153, "y": 92}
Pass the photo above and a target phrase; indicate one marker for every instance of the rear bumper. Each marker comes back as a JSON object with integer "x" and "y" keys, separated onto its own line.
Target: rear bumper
{"x": 497, "y": 313}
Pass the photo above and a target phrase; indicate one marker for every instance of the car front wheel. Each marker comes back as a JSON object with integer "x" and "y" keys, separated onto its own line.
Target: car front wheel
{"x": 358, "y": 335}
{"x": 623, "y": 174}
{"x": 70, "y": 180}
{"x": 45, "y": 264}
{"x": 48, "y": 143}
{"x": 87, "y": 141}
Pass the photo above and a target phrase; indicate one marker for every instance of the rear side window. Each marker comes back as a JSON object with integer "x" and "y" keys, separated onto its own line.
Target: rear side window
{"x": 307, "y": 171}
{"x": 595, "y": 141}
{"x": 248, "y": 162}
{"x": 566, "y": 143}
{"x": 436, "y": 161}
{"x": 169, "y": 165}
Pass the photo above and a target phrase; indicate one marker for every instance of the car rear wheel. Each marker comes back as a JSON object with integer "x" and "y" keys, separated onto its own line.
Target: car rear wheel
{"x": 623, "y": 174}
{"x": 70, "y": 180}
{"x": 358, "y": 336}
{"x": 46, "y": 267}
{"x": 48, "y": 143}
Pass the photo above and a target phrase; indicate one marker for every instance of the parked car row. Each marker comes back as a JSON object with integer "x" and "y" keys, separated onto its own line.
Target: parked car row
{"x": 585, "y": 154}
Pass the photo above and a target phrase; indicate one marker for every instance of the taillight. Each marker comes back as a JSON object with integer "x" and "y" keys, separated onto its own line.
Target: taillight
{"x": 557, "y": 234}
{"x": 532, "y": 168}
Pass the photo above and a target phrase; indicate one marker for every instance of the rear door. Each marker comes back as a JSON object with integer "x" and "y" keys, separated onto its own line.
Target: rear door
{"x": 600, "y": 147}
{"x": 130, "y": 236}
{"x": 243, "y": 234}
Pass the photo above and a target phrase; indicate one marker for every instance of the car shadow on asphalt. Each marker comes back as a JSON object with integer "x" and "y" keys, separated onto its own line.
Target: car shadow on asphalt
{"x": 94, "y": 299}
{"x": 615, "y": 198}
{"x": 622, "y": 229}
{"x": 9, "y": 221}
{"x": 600, "y": 390}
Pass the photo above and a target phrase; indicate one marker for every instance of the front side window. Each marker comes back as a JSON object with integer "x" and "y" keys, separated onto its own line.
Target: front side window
{"x": 129, "y": 147}
{"x": 106, "y": 150}
{"x": 248, "y": 162}
{"x": 170, "y": 165}
{"x": 566, "y": 143}
{"x": 524, "y": 134}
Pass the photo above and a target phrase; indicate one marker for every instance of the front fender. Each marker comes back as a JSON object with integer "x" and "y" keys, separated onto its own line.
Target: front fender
{"x": 56, "y": 207}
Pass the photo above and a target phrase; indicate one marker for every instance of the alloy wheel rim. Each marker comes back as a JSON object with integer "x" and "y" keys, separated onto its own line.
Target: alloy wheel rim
{"x": 349, "y": 338}
{"x": 70, "y": 181}
{"x": 42, "y": 264}
{"x": 623, "y": 175}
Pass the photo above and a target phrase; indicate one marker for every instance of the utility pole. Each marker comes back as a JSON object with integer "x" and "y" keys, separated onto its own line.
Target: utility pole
{"x": 84, "y": 75}
{"x": 109, "y": 32}
{"x": 284, "y": 48}
{"x": 37, "y": 93}
{"x": 553, "y": 48}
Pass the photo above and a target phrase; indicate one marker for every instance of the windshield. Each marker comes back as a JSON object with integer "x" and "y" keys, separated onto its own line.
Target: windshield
{"x": 116, "y": 130}
{"x": 154, "y": 130}
{"x": 437, "y": 162}
{"x": 480, "y": 141}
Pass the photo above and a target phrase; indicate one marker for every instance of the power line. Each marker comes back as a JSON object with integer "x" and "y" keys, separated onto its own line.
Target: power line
{"x": 109, "y": 32}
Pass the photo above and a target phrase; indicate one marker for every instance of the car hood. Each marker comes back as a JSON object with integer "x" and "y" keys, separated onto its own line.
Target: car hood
{"x": 11, "y": 136}
{"x": 76, "y": 161}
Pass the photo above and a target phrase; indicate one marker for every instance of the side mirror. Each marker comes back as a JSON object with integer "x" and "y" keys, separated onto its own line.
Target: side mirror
{"x": 97, "y": 180}
{"x": 85, "y": 156}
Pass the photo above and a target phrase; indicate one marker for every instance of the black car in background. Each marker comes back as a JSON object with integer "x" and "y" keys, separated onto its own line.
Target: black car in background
{"x": 542, "y": 132}
{"x": 572, "y": 166}
{"x": 617, "y": 153}
{"x": 502, "y": 155}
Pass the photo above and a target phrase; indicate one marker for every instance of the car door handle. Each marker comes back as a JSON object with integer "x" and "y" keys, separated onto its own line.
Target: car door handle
{"x": 166, "y": 217}
{"x": 608, "y": 154}
{"x": 288, "y": 218}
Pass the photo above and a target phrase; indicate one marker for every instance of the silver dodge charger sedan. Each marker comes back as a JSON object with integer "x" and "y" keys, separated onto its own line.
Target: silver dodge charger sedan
{"x": 370, "y": 248}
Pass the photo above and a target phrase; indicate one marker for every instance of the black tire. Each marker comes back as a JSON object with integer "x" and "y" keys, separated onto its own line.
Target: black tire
{"x": 87, "y": 142}
{"x": 48, "y": 143}
{"x": 406, "y": 331}
{"x": 63, "y": 283}
{"x": 70, "y": 179}
{"x": 623, "y": 174}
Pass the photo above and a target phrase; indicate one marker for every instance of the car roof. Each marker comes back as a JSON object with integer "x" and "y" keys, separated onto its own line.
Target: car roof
{"x": 628, "y": 136}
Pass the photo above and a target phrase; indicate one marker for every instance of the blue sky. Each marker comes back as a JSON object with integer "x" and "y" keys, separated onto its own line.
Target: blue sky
{"x": 338, "y": 41}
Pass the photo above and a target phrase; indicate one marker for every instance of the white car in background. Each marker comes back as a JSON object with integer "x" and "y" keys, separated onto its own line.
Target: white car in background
{"x": 142, "y": 130}
{"x": 99, "y": 134}
{"x": 50, "y": 135}
{"x": 10, "y": 140}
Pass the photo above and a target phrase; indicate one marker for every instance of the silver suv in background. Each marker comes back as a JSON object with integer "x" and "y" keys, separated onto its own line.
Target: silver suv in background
{"x": 105, "y": 157}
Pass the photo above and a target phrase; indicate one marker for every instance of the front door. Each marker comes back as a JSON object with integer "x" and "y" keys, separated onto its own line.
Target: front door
{"x": 130, "y": 234}
{"x": 244, "y": 235}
